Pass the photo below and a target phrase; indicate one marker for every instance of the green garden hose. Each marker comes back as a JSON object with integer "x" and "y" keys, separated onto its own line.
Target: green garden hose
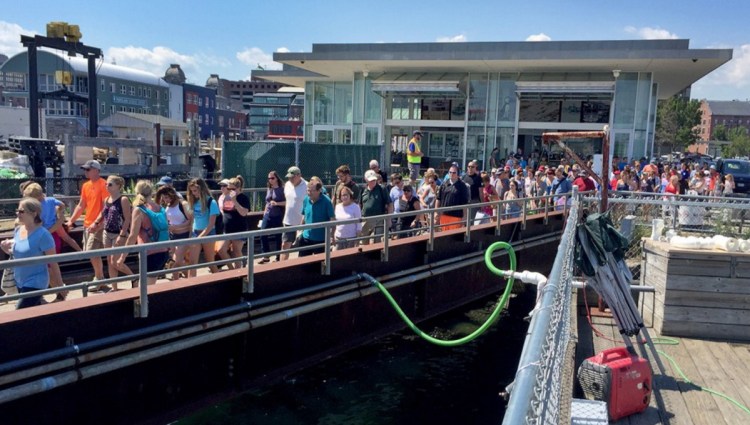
{"x": 670, "y": 341}
{"x": 479, "y": 331}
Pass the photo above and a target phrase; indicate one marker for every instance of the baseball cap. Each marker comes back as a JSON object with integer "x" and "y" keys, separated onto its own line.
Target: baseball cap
{"x": 371, "y": 176}
{"x": 415, "y": 132}
{"x": 91, "y": 163}
{"x": 713, "y": 167}
{"x": 164, "y": 180}
{"x": 293, "y": 171}
{"x": 706, "y": 172}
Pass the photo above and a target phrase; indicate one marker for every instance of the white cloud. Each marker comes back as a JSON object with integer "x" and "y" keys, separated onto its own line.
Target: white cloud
{"x": 10, "y": 38}
{"x": 255, "y": 56}
{"x": 197, "y": 67}
{"x": 282, "y": 50}
{"x": 730, "y": 81}
{"x": 649, "y": 33}
{"x": 539, "y": 37}
{"x": 460, "y": 38}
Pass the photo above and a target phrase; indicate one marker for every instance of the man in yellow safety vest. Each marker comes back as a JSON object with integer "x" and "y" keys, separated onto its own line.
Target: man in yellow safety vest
{"x": 414, "y": 155}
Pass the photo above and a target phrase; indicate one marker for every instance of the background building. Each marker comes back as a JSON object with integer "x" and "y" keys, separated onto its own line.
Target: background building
{"x": 120, "y": 89}
{"x": 730, "y": 114}
{"x": 468, "y": 98}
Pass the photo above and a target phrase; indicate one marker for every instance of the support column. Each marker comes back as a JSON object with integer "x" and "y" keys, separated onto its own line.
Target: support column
{"x": 93, "y": 107}
{"x": 33, "y": 93}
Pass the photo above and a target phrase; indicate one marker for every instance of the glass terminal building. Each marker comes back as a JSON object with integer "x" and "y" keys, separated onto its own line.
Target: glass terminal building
{"x": 468, "y": 98}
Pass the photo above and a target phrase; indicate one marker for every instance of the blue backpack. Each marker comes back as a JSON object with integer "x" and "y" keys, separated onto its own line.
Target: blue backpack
{"x": 159, "y": 231}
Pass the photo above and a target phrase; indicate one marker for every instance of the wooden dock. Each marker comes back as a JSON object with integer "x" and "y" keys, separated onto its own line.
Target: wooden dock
{"x": 721, "y": 365}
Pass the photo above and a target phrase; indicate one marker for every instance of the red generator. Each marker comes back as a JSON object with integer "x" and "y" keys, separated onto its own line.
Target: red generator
{"x": 620, "y": 379}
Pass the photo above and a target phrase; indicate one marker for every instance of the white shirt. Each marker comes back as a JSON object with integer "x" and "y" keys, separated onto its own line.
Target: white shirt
{"x": 345, "y": 231}
{"x": 175, "y": 217}
{"x": 294, "y": 196}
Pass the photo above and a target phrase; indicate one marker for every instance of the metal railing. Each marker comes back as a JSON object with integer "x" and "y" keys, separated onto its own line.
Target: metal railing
{"x": 430, "y": 218}
{"x": 538, "y": 395}
{"x": 634, "y": 214}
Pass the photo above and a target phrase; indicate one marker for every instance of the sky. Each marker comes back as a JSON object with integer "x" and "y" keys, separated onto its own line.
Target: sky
{"x": 231, "y": 38}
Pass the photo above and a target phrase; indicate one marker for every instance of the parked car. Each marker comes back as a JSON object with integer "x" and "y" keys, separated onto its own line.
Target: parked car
{"x": 739, "y": 169}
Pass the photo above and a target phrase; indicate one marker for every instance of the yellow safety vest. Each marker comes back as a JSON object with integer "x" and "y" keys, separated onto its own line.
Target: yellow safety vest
{"x": 413, "y": 159}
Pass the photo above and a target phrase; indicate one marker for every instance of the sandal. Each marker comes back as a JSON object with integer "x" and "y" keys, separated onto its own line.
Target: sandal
{"x": 264, "y": 261}
{"x": 59, "y": 298}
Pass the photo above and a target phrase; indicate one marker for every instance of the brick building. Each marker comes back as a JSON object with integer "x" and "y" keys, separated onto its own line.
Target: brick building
{"x": 731, "y": 114}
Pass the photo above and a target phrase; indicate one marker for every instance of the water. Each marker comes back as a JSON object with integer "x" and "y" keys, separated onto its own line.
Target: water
{"x": 399, "y": 379}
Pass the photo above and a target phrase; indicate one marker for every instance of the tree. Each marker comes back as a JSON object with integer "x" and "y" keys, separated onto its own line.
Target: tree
{"x": 676, "y": 123}
{"x": 739, "y": 143}
{"x": 720, "y": 133}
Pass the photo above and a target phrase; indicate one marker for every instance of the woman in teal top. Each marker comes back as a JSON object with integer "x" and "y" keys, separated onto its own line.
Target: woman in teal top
{"x": 205, "y": 213}
{"x": 31, "y": 239}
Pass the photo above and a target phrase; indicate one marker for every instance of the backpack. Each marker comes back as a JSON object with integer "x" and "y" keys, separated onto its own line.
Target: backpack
{"x": 159, "y": 231}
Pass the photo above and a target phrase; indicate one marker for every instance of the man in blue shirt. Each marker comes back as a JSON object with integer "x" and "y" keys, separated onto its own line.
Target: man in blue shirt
{"x": 316, "y": 208}
{"x": 561, "y": 185}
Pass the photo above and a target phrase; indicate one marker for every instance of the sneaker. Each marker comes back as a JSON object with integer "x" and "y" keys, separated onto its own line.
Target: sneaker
{"x": 264, "y": 261}
{"x": 100, "y": 288}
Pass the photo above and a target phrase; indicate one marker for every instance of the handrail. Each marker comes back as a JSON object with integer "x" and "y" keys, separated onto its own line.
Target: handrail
{"x": 526, "y": 384}
{"x": 250, "y": 236}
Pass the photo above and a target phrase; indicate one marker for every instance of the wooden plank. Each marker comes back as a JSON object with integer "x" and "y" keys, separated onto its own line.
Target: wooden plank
{"x": 709, "y": 284}
{"x": 703, "y": 330}
{"x": 699, "y": 267}
{"x": 713, "y": 376}
{"x": 703, "y": 410}
{"x": 722, "y": 316}
{"x": 736, "y": 369}
{"x": 703, "y": 299}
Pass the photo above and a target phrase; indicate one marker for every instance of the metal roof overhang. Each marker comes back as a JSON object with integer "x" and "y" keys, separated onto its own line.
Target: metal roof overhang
{"x": 673, "y": 65}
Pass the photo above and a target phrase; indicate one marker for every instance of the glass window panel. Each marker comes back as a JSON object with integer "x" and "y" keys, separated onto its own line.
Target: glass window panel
{"x": 539, "y": 111}
{"x": 478, "y": 97}
{"x": 373, "y": 104}
{"x": 372, "y": 136}
{"x": 323, "y": 103}
{"x": 323, "y": 136}
{"x": 643, "y": 102}
{"x": 625, "y": 97}
{"x": 342, "y": 103}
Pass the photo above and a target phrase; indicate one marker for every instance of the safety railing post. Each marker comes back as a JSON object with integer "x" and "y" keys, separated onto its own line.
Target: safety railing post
{"x": 327, "y": 262}
{"x": 386, "y": 239}
{"x": 141, "y": 307}
{"x": 431, "y": 239}
{"x": 523, "y": 215}
{"x": 546, "y": 209}
{"x": 498, "y": 214}
{"x": 248, "y": 287}
{"x": 49, "y": 181}
{"x": 467, "y": 218}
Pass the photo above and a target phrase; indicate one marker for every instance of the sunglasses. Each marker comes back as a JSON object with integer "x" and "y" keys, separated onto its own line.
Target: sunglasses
{"x": 231, "y": 188}
{"x": 451, "y": 172}
{"x": 20, "y": 211}
{"x": 272, "y": 178}
{"x": 111, "y": 184}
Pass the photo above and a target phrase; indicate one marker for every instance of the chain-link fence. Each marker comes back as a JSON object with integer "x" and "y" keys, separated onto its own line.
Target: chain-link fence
{"x": 538, "y": 395}
{"x": 634, "y": 214}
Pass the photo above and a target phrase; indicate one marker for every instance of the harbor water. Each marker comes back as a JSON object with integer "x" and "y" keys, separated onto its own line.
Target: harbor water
{"x": 398, "y": 379}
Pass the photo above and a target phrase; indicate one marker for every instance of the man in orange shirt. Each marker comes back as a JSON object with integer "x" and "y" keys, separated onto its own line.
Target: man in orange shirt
{"x": 93, "y": 194}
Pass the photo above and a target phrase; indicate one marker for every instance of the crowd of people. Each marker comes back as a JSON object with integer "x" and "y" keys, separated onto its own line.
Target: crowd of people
{"x": 683, "y": 178}
{"x": 111, "y": 219}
